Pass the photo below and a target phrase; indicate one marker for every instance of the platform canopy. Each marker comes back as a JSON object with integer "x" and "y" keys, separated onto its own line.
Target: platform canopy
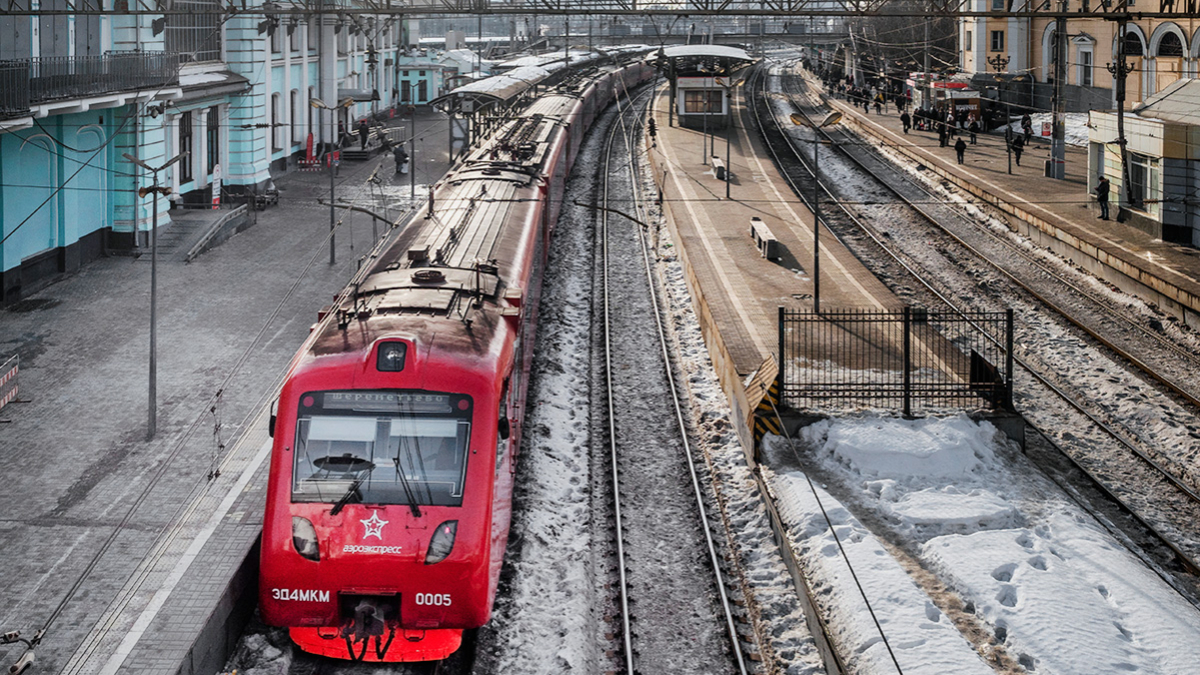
{"x": 498, "y": 89}
{"x": 688, "y": 59}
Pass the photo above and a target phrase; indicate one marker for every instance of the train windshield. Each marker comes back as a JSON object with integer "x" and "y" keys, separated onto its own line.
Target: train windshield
{"x": 382, "y": 447}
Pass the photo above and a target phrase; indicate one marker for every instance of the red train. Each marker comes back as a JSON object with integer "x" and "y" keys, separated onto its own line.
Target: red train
{"x": 396, "y": 430}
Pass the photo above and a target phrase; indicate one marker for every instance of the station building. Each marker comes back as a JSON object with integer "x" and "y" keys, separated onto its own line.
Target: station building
{"x": 1160, "y": 51}
{"x": 1163, "y": 144}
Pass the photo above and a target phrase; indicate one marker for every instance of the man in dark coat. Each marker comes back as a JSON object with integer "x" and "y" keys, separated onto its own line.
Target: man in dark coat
{"x": 364, "y": 132}
{"x": 960, "y": 147}
{"x": 1102, "y": 196}
{"x": 905, "y": 120}
{"x": 1018, "y": 146}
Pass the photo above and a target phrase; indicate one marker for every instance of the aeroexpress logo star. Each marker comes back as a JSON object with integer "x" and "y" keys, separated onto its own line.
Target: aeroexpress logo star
{"x": 373, "y": 526}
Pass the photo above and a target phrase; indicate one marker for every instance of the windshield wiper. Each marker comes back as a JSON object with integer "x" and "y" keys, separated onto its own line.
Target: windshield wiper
{"x": 350, "y": 494}
{"x": 408, "y": 491}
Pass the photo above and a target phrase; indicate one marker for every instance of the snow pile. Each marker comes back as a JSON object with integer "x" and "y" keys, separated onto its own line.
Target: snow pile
{"x": 961, "y": 523}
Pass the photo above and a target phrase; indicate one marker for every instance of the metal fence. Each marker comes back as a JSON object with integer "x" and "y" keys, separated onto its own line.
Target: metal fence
{"x": 29, "y": 81}
{"x": 909, "y": 360}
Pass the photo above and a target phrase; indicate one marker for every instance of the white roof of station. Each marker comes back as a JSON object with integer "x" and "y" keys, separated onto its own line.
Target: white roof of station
{"x": 501, "y": 87}
{"x": 1175, "y": 104}
{"x": 718, "y": 51}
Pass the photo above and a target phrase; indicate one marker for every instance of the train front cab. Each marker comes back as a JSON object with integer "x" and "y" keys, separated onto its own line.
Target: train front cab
{"x": 378, "y": 532}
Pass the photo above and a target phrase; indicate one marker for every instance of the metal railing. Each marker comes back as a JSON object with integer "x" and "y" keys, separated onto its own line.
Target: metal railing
{"x": 31, "y": 81}
{"x": 14, "y": 89}
{"x": 909, "y": 360}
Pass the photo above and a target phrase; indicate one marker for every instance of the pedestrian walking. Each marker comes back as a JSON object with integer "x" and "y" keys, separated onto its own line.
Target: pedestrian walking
{"x": 1018, "y": 146}
{"x": 364, "y": 132}
{"x": 906, "y": 121}
{"x": 960, "y": 148}
{"x": 1027, "y": 126}
{"x": 974, "y": 129}
{"x": 1102, "y": 196}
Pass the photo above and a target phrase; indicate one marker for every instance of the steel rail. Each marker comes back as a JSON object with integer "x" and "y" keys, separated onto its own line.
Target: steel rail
{"x": 916, "y": 275}
{"x": 1103, "y": 307}
{"x": 630, "y": 136}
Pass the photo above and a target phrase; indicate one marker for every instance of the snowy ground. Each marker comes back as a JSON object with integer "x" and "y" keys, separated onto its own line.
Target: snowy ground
{"x": 1077, "y": 126}
{"x": 955, "y": 500}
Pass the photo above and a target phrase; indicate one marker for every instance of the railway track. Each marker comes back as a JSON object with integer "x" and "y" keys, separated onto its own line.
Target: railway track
{"x": 1160, "y": 495}
{"x": 675, "y": 612}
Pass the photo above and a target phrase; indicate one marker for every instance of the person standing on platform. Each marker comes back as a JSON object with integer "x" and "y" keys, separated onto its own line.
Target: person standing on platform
{"x": 943, "y": 133}
{"x": 960, "y": 148}
{"x": 1018, "y": 146}
{"x": 1102, "y": 196}
{"x": 401, "y": 157}
{"x": 905, "y": 120}
{"x": 1027, "y": 126}
{"x": 364, "y": 132}
{"x": 974, "y": 129}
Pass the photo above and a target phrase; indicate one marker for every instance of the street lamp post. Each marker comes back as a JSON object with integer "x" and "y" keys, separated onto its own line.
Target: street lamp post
{"x": 320, "y": 105}
{"x": 830, "y": 120}
{"x": 1000, "y": 62}
{"x": 156, "y": 190}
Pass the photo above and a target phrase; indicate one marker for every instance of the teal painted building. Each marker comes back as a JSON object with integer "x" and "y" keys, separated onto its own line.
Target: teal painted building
{"x": 229, "y": 93}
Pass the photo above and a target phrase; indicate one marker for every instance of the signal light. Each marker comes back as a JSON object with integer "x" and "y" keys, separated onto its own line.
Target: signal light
{"x": 304, "y": 539}
{"x": 442, "y": 542}
{"x": 390, "y": 358}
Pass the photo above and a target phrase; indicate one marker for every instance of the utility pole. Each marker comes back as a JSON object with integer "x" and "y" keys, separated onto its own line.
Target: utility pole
{"x": 156, "y": 190}
{"x": 1058, "y": 139}
{"x": 1000, "y": 63}
{"x": 925, "y": 74}
{"x": 1119, "y": 70}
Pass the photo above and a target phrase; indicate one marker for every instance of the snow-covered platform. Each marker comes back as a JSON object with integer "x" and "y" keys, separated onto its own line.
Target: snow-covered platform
{"x": 737, "y": 289}
{"x": 1058, "y": 214}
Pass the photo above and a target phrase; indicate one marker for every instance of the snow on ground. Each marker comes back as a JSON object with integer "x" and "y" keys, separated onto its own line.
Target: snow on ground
{"x": 1056, "y": 591}
{"x": 1077, "y": 126}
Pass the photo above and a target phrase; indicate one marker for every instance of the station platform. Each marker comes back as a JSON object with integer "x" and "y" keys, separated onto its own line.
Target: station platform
{"x": 135, "y": 553}
{"x": 736, "y": 289}
{"x": 1057, "y": 214}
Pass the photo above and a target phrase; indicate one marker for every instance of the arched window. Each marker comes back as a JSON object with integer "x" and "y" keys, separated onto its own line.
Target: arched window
{"x": 276, "y": 141}
{"x": 1170, "y": 45}
{"x": 1133, "y": 44}
{"x": 294, "y": 117}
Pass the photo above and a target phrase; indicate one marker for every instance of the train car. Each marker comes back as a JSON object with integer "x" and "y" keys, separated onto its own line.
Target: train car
{"x": 396, "y": 430}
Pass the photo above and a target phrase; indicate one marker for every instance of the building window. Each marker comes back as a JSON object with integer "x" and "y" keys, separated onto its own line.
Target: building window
{"x": 404, "y": 73}
{"x": 312, "y": 93}
{"x": 213, "y": 138}
{"x": 997, "y": 40}
{"x": 420, "y": 73}
{"x": 1085, "y": 67}
{"x": 185, "y": 146}
{"x": 1133, "y": 44}
{"x": 694, "y": 101}
{"x": 1143, "y": 178}
{"x": 405, "y": 91}
{"x": 422, "y": 91}
{"x": 969, "y": 44}
{"x": 314, "y": 34}
{"x": 999, "y": 5}
{"x": 276, "y": 39}
{"x": 1170, "y": 46}
{"x": 276, "y": 142}
{"x": 293, "y": 35}
{"x": 294, "y": 116}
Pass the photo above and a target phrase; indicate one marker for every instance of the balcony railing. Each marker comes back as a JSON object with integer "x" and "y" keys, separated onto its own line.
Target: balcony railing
{"x": 28, "y": 82}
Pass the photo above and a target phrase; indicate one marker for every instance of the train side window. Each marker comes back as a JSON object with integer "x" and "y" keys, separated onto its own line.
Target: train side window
{"x": 503, "y": 430}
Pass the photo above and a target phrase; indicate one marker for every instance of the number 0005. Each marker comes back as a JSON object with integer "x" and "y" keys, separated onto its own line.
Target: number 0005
{"x": 439, "y": 599}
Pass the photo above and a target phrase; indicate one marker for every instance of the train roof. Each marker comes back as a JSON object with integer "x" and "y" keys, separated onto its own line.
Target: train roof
{"x": 446, "y": 266}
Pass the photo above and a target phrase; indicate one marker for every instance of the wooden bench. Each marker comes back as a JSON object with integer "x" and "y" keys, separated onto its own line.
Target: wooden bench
{"x": 764, "y": 240}
{"x": 719, "y": 169}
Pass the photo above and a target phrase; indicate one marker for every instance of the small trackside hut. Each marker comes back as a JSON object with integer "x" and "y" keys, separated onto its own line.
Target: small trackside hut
{"x": 702, "y": 78}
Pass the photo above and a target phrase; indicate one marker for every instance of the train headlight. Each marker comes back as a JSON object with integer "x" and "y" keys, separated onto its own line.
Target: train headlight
{"x": 442, "y": 542}
{"x": 304, "y": 538}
